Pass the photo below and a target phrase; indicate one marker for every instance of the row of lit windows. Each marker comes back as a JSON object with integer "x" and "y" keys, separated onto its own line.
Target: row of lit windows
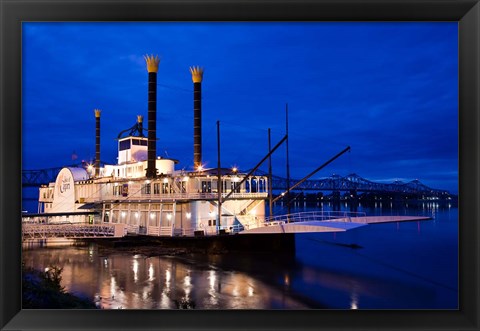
{"x": 206, "y": 187}
{"x": 120, "y": 172}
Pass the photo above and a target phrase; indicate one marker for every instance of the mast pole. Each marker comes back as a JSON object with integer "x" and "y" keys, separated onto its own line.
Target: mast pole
{"x": 270, "y": 198}
{"x": 288, "y": 164}
{"x": 219, "y": 179}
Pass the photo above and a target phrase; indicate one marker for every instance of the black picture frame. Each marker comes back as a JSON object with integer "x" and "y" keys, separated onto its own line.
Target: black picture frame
{"x": 14, "y": 12}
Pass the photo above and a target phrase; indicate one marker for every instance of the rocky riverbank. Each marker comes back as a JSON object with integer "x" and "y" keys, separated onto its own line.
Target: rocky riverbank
{"x": 42, "y": 290}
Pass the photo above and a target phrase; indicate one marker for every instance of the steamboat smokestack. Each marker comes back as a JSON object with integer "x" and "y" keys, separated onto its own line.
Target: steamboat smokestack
{"x": 140, "y": 125}
{"x": 197, "y": 76}
{"x": 152, "y": 68}
{"x": 97, "y": 141}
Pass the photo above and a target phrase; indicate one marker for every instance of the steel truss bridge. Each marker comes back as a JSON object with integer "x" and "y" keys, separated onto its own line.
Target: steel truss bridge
{"x": 352, "y": 182}
{"x": 355, "y": 183}
{"x": 36, "y": 178}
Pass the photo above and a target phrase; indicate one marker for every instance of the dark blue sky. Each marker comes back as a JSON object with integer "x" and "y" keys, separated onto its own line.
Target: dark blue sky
{"x": 389, "y": 90}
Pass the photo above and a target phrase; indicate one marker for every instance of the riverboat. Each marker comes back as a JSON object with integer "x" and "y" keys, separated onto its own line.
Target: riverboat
{"x": 146, "y": 193}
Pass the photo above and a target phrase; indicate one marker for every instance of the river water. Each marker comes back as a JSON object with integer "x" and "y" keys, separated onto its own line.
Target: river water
{"x": 410, "y": 265}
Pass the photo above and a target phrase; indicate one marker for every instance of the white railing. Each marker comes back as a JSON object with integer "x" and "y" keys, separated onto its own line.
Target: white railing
{"x": 233, "y": 228}
{"x": 153, "y": 230}
{"x": 44, "y": 231}
{"x": 133, "y": 228}
{"x": 185, "y": 196}
{"x": 159, "y": 231}
{"x": 166, "y": 231}
{"x": 335, "y": 216}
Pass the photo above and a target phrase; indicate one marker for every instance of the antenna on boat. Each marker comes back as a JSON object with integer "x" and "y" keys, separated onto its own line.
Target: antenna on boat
{"x": 97, "y": 142}
{"x": 247, "y": 176}
{"x": 219, "y": 179}
{"x": 270, "y": 202}
{"x": 314, "y": 172}
{"x": 288, "y": 163}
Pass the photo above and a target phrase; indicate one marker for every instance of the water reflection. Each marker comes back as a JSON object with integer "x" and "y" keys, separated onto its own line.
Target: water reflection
{"x": 122, "y": 281}
{"x": 410, "y": 265}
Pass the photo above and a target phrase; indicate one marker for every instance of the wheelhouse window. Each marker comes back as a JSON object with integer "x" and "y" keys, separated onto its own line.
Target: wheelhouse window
{"x": 139, "y": 142}
{"x": 124, "y": 144}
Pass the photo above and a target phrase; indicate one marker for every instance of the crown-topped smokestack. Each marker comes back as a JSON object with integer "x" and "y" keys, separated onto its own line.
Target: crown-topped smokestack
{"x": 97, "y": 141}
{"x": 152, "y": 68}
{"x": 197, "y": 77}
{"x": 140, "y": 125}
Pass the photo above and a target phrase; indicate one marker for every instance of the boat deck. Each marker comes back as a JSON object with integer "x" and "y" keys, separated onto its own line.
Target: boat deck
{"x": 330, "y": 225}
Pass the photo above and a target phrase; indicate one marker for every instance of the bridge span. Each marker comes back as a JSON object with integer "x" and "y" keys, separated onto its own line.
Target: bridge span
{"x": 354, "y": 182}
{"x": 351, "y": 182}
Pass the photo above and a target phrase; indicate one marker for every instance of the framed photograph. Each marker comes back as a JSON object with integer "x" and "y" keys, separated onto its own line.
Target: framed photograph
{"x": 344, "y": 136}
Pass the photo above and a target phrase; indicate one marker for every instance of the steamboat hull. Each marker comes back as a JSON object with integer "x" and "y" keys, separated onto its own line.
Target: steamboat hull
{"x": 277, "y": 243}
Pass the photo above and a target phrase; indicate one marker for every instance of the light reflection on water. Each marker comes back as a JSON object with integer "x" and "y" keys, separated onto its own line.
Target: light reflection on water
{"x": 399, "y": 266}
{"x": 139, "y": 282}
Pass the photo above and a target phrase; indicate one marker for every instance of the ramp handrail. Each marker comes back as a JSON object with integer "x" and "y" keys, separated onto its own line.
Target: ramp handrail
{"x": 309, "y": 216}
{"x": 43, "y": 231}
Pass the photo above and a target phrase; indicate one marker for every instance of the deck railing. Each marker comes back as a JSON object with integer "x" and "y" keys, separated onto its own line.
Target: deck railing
{"x": 82, "y": 230}
{"x": 45, "y": 231}
{"x": 335, "y": 216}
{"x": 183, "y": 196}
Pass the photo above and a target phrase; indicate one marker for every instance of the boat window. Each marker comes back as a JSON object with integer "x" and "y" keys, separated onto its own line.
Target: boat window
{"x": 261, "y": 185}
{"x": 206, "y": 187}
{"x": 165, "y": 189}
{"x": 235, "y": 187}
{"x": 125, "y": 144}
{"x": 254, "y": 187}
{"x": 116, "y": 190}
{"x": 183, "y": 187}
{"x": 139, "y": 142}
{"x": 146, "y": 189}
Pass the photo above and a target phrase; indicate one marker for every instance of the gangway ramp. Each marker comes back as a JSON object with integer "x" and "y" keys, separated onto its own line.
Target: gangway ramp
{"x": 72, "y": 231}
{"x": 309, "y": 222}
